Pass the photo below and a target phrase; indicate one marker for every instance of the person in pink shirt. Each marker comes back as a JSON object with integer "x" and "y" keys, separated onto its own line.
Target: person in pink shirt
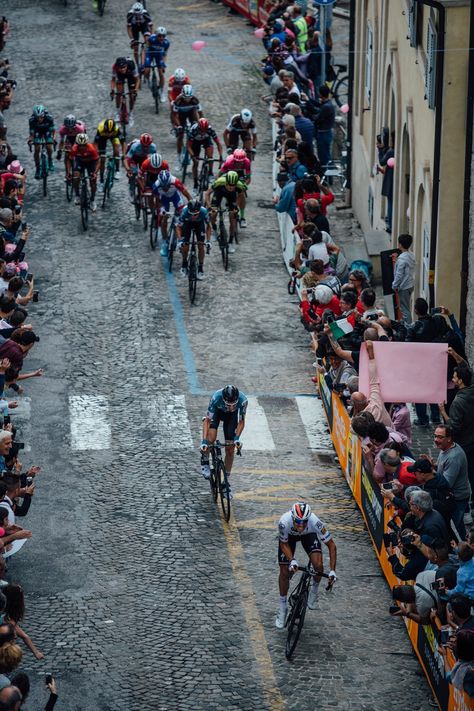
{"x": 239, "y": 163}
{"x": 400, "y": 415}
{"x": 67, "y": 136}
{"x": 15, "y": 172}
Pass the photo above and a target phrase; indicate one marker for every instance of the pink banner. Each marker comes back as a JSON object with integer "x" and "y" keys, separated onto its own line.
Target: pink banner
{"x": 408, "y": 372}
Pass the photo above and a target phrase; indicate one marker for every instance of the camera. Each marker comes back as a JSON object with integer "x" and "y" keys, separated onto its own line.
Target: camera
{"x": 436, "y": 310}
{"x": 407, "y": 539}
{"x": 388, "y": 486}
{"x": 393, "y": 526}
{"x": 438, "y": 584}
{"x": 393, "y": 609}
{"x": 444, "y": 634}
{"x": 390, "y": 539}
{"x": 17, "y": 209}
{"x": 15, "y": 448}
{"x": 330, "y": 319}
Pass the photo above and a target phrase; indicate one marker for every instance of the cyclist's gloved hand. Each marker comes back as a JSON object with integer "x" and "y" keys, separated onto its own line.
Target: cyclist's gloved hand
{"x": 332, "y": 576}
{"x": 293, "y": 565}
{"x": 229, "y": 151}
{"x": 208, "y": 247}
{"x": 204, "y": 445}
{"x": 237, "y": 442}
{"x": 112, "y": 94}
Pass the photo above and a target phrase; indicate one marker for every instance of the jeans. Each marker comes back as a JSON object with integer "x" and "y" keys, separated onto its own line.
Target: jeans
{"x": 388, "y": 216}
{"x": 404, "y": 296}
{"x": 422, "y": 414}
{"x": 469, "y": 452}
{"x": 324, "y": 143}
{"x": 457, "y": 517}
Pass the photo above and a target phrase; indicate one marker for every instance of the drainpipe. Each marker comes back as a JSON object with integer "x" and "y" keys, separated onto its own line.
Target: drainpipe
{"x": 352, "y": 11}
{"x": 437, "y": 146}
{"x": 468, "y": 167}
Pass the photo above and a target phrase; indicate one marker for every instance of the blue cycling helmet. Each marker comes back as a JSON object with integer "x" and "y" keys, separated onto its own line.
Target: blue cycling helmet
{"x": 164, "y": 179}
{"x": 39, "y": 110}
{"x": 230, "y": 395}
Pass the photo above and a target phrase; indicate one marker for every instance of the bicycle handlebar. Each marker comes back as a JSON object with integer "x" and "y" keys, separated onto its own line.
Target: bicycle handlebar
{"x": 312, "y": 571}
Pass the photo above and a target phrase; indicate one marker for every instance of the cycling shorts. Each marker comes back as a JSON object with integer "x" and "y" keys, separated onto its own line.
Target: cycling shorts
{"x": 231, "y": 199}
{"x": 102, "y": 142}
{"x": 137, "y": 29}
{"x": 150, "y": 179}
{"x": 175, "y": 200}
{"x": 199, "y": 228}
{"x": 130, "y": 80}
{"x": 89, "y": 165}
{"x": 310, "y": 543}
{"x": 230, "y": 420}
{"x": 196, "y": 145}
{"x": 153, "y": 58}
{"x": 42, "y": 137}
{"x": 234, "y": 138}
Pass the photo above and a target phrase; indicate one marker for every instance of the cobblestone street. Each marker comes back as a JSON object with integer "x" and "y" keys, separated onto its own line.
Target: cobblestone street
{"x": 138, "y": 594}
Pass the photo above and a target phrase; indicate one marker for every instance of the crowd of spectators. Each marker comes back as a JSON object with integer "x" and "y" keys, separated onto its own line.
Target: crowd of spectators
{"x": 17, "y": 339}
{"x": 430, "y": 498}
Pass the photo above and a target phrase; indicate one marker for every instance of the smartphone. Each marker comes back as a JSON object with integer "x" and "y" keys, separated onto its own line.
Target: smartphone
{"x": 48, "y": 679}
{"x": 436, "y": 310}
{"x": 393, "y": 609}
{"x": 35, "y": 298}
{"x": 24, "y": 225}
{"x": 29, "y": 276}
{"x": 388, "y": 486}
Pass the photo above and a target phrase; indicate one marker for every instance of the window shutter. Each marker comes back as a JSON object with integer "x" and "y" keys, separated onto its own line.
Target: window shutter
{"x": 430, "y": 75}
{"x": 368, "y": 64}
{"x": 412, "y": 22}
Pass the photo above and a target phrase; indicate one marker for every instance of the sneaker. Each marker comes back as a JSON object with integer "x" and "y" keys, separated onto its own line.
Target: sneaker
{"x": 200, "y": 276}
{"x": 37, "y": 174}
{"x": 77, "y": 200}
{"x": 117, "y": 117}
{"x": 205, "y": 471}
{"x": 183, "y": 271}
{"x": 51, "y": 166}
{"x": 468, "y": 518}
{"x": 214, "y": 235}
{"x": 231, "y": 249}
{"x": 419, "y": 423}
{"x": 164, "y": 249}
{"x": 313, "y": 597}
{"x": 93, "y": 206}
{"x": 281, "y": 618}
{"x": 117, "y": 174}
{"x": 101, "y": 187}
{"x": 163, "y": 99}
{"x": 131, "y": 120}
{"x": 243, "y": 222}
{"x": 227, "y": 489}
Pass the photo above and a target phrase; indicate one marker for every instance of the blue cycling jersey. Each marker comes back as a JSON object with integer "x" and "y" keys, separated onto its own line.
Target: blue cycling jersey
{"x": 186, "y": 218}
{"x": 136, "y": 150}
{"x": 217, "y": 403}
{"x": 156, "y": 46}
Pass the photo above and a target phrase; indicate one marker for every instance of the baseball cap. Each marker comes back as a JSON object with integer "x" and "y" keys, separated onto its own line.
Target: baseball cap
{"x": 421, "y": 465}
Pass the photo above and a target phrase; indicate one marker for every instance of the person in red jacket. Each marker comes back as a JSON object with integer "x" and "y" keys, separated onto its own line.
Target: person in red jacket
{"x": 84, "y": 156}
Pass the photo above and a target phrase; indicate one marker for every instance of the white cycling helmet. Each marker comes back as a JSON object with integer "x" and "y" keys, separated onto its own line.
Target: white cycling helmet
{"x": 161, "y": 31}
{"x": 300, "y": 512}
{"x": 137, "y": 7}
{"x": 82, "y": 139}
{"x": 246, "y": 115}
{"x": 187, "y": 90}
{"x": 156, "y": 160}
{"x": 179, "y": 74}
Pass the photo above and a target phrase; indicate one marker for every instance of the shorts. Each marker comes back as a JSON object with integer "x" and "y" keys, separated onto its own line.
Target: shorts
{"x": 235, "y": 135}
{"x": 230, "y": 420}
{"x": 166, "y": 202}
{"x": 150, "y": 179}
{"x": 185, "y": 116}
{"x": 137, "y": 29}
{"x": 199, "y": 228}
{"x": 130, "y": 81}
{"x": 42, "y": 138}
{"x": 310, "y": 543}
{"x": 231, "y": 199}
{"x": 196, "y": 145}
{"x": 80, "y": 165}
{"x": 102, "y": 142}
{"x": 152, "y": 58}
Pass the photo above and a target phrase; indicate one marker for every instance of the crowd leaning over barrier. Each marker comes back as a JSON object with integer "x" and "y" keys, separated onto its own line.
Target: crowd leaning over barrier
{"x": 17, "y": 338}
{"x": 431, "y": 497}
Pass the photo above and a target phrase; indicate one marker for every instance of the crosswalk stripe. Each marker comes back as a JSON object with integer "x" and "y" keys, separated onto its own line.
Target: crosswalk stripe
{"x": 256, "y": 435}
{"x": 90, "y": 427}
{"x": 169, "y": 421}
{"x": 314, "y": 422}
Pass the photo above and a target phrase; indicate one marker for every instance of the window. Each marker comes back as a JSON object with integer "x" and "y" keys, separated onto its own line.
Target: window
{"x": 430, "y": 70}
{"x": 370, "y": 206}
{"x": 414, "y": 22}
{"x": 368, "y": 63}
{"x": 425, "y": 264}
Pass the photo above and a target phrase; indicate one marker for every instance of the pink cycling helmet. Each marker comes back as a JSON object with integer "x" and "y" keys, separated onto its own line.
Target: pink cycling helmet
{"x": 15, "y": 167}
{"x": 239, "y": 154}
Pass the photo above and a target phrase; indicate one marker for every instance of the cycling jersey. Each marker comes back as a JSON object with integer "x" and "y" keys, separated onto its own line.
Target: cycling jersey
{"x": 175, "y": 187}
{"x": 68, "y": 135}
{"x": 185, "y": 217}
{"x": 242, "y": 168}
{"x": 137, "y": 153}
{"x": 196, "y": 135}
{"x": 42, "y": 128}
{"x": 102, "y": 133}
{"x": 184, "y": 105}
{"x": 146, "y": 168}
{"x": 217, "y": 403}
{"x": 236, "y": 125}
{"x": 314, "y": 526}
{"x": 221, "y": 184}
{"x": 157, "y": 46}
{"x": 139, "y": 19}
{"x": 130, "y": 74}
{"x": 84, "y": 154}
{"x": 176, "y": 87}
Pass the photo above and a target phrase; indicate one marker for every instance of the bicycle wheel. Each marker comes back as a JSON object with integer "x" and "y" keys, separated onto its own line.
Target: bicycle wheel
{"x": 213, "y": 481}
{"x": 341, "y": 91}
{"x": 155, "y": 91}
{"x": 109, "y": 179}
{"x": 44, "y": 174}
{"x": 236, "y": 231}
{"x": 295, "y": 623}
{"x": 203, "y": 180}
{"x": 192, "y": 277}
{"x": 69, "y": 189}
{"x": 101, "y": 7}
{"x": 172, "y": 241}
{"x": 154, "y": 230}
{"x": 136, "y": 201}
{"x": 84, "y": 205}
{"x": 145, "y": 213}
{"x": 224, "y": 493}
{"x": 224, "y": 244}
{"x": 184, "y": 160}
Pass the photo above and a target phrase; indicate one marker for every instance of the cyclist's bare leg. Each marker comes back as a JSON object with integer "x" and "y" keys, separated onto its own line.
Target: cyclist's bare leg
{"x": 210, "y": 155}
{"x": 102, "y": 167}
{"x": 36, "y": 154}
{"x": 195, "y": 166}
{"x": 229, "y": 457}
{"x": 131, "y": 99}
{"x": 179, "y": 141}
{"x": 49, "y": 151}
{"x": 93, "y": 184}
{"x": 75, "y": 182}
{"x": 118, "y": 95}
{"x": 316, "y": 559}
{"x": 164, "y": 226}
{"x": 232, "y": 224}
{"x": 284, "y": 579}
{"x": 201, "y": 254}
{"x": 161, "y": 72}
{"x": 116, "y": 151}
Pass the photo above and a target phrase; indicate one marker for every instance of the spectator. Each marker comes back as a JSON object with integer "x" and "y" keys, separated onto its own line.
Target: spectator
{"x": 367, "y": 300}
{"x": 312, "y": 213}
{"x": 22, "y": 683}
{"x": 374, "y": 403}
{"x": 358, "y": 280}
{"x": 400, "y": 415}
{"x": 339, "y": 372}
{"x": 302, "y": 124}
{"x": 385, "y": 153}
{"x": 417, "y": 600}
{"x": 452, "y": 465}
{"x": 465, "y": 575}
{"x": 458, "y": 611}
{"x": 10, "y": 657}
{"x": 295, "y": 169}
{"x": 313, "y": 189}
{"x": 427, "y": 522}
{"x": 15, "y": 611}
{"x": 423, "y": 331}
{"x": 394, "y": 466}
{"x": 324, "y": 123}
{"x": 10, "y": 699}
{"x": 404, "y": 276}
{"x": 415, "y": 562}
{"x": 288, "y": 80}
{"x": 301, "y": 28}
{"x": 380, "y": 438}
{"x": 285, "y": 201}
{"x": 461, "y": 676}
{"x": 17, "y": 347}
{"x": 437, "y": 487}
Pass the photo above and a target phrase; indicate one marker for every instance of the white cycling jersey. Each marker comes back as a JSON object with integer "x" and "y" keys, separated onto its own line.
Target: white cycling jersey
{"x": 315, "y": 525}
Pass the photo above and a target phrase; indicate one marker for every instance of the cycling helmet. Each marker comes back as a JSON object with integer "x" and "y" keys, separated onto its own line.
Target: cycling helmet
{"x": 187, "y": 90}
{"x": 121, "y": 62}
{"x": 246, "y": 115}
{"x": 231, "y": 178}
{"x": 137, "y": 7}
{"x": 239, "y": 154}
{"x": 203, "y": 124}
{"x": 230, "y": 395}
{"x": 164, "y": 179}
{"x": 39, "y": 110}
{"x": 70, "y": 121}
{"x": 156, "y": 160}
{"x": 300, "y": 512}
{"x": 109, "y": 125}
{"x": 179, "y": 74}
{"x": 194, "y": 206}
{"x": 146, "y": 139}
{"x": 161, "y": 31}
{"x": 82, "y": 139}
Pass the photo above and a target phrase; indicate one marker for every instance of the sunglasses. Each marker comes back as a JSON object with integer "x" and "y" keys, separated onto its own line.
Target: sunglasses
{"x": 298, "y": 522}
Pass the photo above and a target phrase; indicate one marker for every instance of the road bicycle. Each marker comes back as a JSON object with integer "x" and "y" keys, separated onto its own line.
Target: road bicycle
{"x": 84, "y": 196}
{"x": 122, "y": 111}
{"x": 172, "y": 240}
{"x": 203, "y": 175}
{"x": 185, "y": 158}
{"x": 223, "y": 235}
{"x": 100, "y": 7}
{"x": 108, "y": 179}
{"x": 43, "y": 165}
{"x": 339, "y": 83}
{"x": 218, "y": 479}
{"x": 155, "y": 87}
{"x": 298, "y": 603}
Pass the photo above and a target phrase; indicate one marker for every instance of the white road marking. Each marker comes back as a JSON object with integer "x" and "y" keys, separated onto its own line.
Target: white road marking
{"x": 90, "y": 427}
{"x": 314, "y": 422}
{"x": 169, "y": 421}
{"x": 256, "y": 435}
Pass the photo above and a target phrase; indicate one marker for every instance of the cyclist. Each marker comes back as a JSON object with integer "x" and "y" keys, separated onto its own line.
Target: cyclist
{"x": 138, "y": 22}
{"x": 239, "y": 162}
{"x": 185, "y": 108}
{"x": 157, "y": 47}
{"x": 124, "y": 70}
{"x": 228, "y": 406}
{"x": 148, "y": 175}
{"x": 201, "y": 134}
{"x": 241, "y": 126}
{"x": 41, "y": 129}
{"x": 170, "y": 191}
{"x": 175, "y": 85}
{"x": 108, "y": 130}
{"x": 227, "y": 187}
{"x": 195, "y": 218}
{"x": 84, "y": 156}
{"x": 299, "y": 524}
{"x": 137, "y": 151}
{"x": 67, "y": 135}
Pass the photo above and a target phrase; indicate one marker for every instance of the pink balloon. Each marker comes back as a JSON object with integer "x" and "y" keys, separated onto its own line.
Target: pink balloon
{"x": 259, "y": 32}
{"x": 391, "y": 162}
{"x": 198, "y": 45}
{"x": 345, "y": 108}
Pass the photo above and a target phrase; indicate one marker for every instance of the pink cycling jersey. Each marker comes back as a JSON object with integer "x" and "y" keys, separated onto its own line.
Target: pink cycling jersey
{"x": 69, "y": 134}
{"x": 232, "y": 164}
